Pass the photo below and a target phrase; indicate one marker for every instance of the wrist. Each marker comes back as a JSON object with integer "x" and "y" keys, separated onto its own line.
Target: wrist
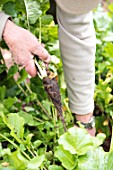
{"x": 84, "y": 118}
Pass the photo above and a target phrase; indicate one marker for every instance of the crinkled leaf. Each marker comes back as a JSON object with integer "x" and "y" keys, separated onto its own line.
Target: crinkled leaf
{"x": 96, "y": 160}
{"x": 76, "y": 141}
{"x": 36, "y": 162}
{"x": 68, "y": 160}
{"x": 33, "y": 10}
{"x": 110, "y": 161}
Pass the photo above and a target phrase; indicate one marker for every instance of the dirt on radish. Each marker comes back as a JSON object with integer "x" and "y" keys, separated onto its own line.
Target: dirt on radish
{"x": 51, "y": 87}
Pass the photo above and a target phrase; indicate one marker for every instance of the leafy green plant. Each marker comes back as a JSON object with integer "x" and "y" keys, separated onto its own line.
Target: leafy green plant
{"x": 31, "y": 135}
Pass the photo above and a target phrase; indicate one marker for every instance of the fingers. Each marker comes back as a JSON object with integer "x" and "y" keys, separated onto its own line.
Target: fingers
{"x": 42, "y": 53}
{"x": 30, "y": 68}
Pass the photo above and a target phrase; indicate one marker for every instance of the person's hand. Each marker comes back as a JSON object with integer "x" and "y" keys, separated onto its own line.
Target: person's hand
{"x": 23, "y": 46}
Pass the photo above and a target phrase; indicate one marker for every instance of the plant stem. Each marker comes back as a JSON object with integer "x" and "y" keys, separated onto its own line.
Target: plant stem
{"x": 38, "y": 102}
{"x": 111, "y": 145}
{"x": 21, "y": 89}
{"x": 40, "y": 33}
{"x": 31, "y": 152}
{"x": 15, "y": 146}
{"x": 36, "y": 118}
{"x": 27, "y": 14}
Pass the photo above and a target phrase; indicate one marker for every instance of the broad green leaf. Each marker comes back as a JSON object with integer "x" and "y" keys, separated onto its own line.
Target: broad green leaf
{"x": 17, "y": 160}
{"x": 46, "y": 20}
{"x": 47, "y": 105}
{"x": 110, "y": 161}
{"x": 45, "y": 6}
{"x": 68, "y": 160}
{"x": 33, "y": 11}
{"x": 99, "y": 139}
{"x": 55, "y": 167}
{"x": 28, "y": 118}
{"x": 76, "y": 141}
{"x": 16, "y": 124}
{"x": 2, "y": 92}
{"x": 96, "y": 160}
{"x": 9, "y": 102}
{"x": 2, "y": 109}
{"x": 35, "y": 163}
{"x": 4, "y": 1}
{"x": 9, "y": 8}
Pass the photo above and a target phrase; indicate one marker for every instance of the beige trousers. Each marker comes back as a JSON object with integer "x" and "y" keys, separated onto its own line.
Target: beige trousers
{"x": 78, "y": 45}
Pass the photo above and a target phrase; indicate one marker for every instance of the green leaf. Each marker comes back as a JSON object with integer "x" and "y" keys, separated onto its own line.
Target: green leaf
{"x": 99, "y": 139}
{"x": 28, "y": 139}
{"x": 2, "y": 109}
{"x": 17, "y": 160}
{"x": 9, "y": 8}
{"x": 28, "y": 118}
{"x": 68, "y": 160}
{"x": 76, "y": 141}
{"x": 2, "y": 92}
{"x": 33, "y": 10}
{"x": 110, "y": 161}
{"x": 45, "y": 6}
{"x": 37, "y": 143}
{"x": 55, "y": 167}
{"x": 35, "y": 163}
{"x": 2, "y": 68}
{"x": 23, "y": 75}
{"x": 4, "y": 1}
{"x": 16, "y": 124}
{"x": 13, "y": 70}
{"x": 96, "y": 160}
{"x": 46, "y": 19}
{"x": 9, "y": 102}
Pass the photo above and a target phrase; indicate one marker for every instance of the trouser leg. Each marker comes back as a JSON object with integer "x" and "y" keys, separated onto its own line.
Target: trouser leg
{"x": 77, "y": 45}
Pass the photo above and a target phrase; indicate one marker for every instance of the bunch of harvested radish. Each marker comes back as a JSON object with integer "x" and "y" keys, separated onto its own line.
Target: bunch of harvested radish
{"x": 51, "y": 87}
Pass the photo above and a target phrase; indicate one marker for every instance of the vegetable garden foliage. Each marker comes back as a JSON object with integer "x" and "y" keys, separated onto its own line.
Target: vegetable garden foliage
{"x": 31, "y": 135}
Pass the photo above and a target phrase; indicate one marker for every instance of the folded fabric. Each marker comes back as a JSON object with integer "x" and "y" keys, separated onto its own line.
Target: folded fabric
{"x": 77, "y": 6}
